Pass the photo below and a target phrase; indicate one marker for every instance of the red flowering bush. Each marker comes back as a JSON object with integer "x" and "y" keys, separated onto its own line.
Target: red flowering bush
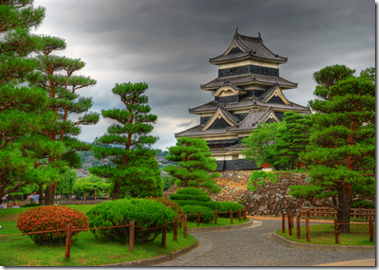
{"x": 49, "y": 218}
{"x": 170, "y": 204}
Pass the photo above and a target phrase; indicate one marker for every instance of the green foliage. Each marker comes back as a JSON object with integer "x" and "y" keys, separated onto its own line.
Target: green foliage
{"x": 192, "y": 191}
{"x": 260, "y": 145}
{"x": 342, "y": 141}
{"x": 202, "y": 198}
{"x": 136, "y": 171}
{"x": 210, "y": 204}
{"x": 67, "y": 180}
{"x": 51, "y": 218}
{"x": 258, "y": 178}
{"x": 292, "y": 138}
{"x": 363, "y": 204}
{"x": 194, "y": 164}
{"x": 194, "y": 209}
{"x": 226, "y": 206}
{"x": 168, "y": 181}
{"x": 90, "y": 185}
{"x": 145, "y": 213}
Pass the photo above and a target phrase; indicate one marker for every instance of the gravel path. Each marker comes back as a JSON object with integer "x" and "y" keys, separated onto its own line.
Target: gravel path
{"x": 253, "y": 246}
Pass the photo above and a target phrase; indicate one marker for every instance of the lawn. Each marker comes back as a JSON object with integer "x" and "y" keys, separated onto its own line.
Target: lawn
{"x": 88, "y": 250}
{"x": 324, "y": 235}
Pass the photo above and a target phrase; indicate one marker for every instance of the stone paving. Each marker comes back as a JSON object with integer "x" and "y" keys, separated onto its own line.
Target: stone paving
{"x": 252, "y": 246}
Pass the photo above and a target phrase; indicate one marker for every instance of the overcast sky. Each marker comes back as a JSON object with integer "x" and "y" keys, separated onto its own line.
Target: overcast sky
{"x": 168, "y": 43}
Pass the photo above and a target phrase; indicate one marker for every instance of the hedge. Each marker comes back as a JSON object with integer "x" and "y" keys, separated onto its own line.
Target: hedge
{"x": 194, "y": 209}
{"x": 203, "y": 198}
{"x": 211, "y": 204}
{"x": 226, "y": 206}
{"x": 192, "y": 191}
{"x": 145, "y": 213}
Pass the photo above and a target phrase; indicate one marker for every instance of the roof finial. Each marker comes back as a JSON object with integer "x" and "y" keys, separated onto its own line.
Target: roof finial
{"x": 237, "y": 30}
{"x": 259, "y": 33}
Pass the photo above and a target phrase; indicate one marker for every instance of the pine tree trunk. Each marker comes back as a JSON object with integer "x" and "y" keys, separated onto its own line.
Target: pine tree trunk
{"x": 344, "y": 200}
{"x": 48, "y": 196}
{"x": 298, "y": 165}
{"x": 54, "y": 189}
{"x": 41, "y": 197}
{"x": 116, "y": 190}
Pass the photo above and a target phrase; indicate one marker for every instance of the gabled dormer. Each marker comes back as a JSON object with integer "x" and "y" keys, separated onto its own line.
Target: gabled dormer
{"x": 221, "y": 119}
{"x": 228, "y": 93}
{"x": 274, "y": 95}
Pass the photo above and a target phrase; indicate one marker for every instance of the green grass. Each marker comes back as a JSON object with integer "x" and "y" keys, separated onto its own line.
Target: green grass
{"x": 88, "y": 250}
{"x": 333, "y": 218}
{"x": 220, "y": 222}
{"x": 324, "y": 235}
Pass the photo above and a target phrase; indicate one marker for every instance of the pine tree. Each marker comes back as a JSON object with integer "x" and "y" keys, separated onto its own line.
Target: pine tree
{"x": 22, "y": 107}
{"x": 194, "y": 164}
{"x": 342, "y": 142}
{"x": 291, "y": 139}
{"x": 136, "y": 171}
{"x": 55, "y": 76}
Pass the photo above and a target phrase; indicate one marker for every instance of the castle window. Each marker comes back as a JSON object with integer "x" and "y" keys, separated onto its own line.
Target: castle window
{"x": 266, "y": 70}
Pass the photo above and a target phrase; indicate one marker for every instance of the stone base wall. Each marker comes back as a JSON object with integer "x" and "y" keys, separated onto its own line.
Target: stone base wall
{"x": 272, "y": 198}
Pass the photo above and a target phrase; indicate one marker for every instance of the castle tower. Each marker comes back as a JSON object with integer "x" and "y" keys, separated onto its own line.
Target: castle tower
{"x": 247, "y": 92}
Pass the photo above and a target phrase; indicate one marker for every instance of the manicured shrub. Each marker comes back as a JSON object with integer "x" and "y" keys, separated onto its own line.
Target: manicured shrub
{"x": 51, "y": 218}
{"x": 194, "y": 209}
{"x": 363, "y": 204}
{"x": 203, "y": 198}
{"x": 211, "y": 204}
{"x": 226, "y": 206}
{"x": 30, "y": 205}
{"x": 145, "y": 213}
{"x": 170, "y": 204}
{"x": 192, "y": 191}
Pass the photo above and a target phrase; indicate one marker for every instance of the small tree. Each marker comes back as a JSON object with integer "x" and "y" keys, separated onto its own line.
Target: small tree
{"x": 136, "y": 169}
{"x": 291, "y": 139}
{"x": 342, "y": 142}
{"x": 260, "y": 145}
{"x": 194, "y": 163}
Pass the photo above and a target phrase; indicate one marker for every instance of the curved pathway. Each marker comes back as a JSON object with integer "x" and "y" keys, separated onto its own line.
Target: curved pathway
{"x": 253, "y": 246}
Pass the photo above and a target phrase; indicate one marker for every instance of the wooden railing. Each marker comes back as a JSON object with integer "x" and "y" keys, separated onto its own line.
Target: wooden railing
{"x": 178, "y": 221}
{"x": 330, "y": 212}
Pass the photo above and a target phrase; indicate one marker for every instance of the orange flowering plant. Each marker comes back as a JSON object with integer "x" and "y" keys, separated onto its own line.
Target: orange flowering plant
{"x": 49, "y": 218}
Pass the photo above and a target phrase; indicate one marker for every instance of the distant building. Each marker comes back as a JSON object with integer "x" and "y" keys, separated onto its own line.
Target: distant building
{"x": 247, "y": 92}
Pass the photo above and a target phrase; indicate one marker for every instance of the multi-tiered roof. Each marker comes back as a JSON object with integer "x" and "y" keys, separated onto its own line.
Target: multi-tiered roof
{"x": 248, "y": 91}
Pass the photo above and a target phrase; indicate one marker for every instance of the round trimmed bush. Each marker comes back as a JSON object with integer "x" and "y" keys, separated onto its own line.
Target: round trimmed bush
{"x": 145, "y": 213}
{"x": 194, "y": 209}
{"x": 210, "y": 204}
{"x": 202, "y": 198}
{"x": 226, "y": 206}
{"x": 170, "y": 204}
{"x": 30, "y": 205}
{"x": 51, "y": 218}
{"x": 192, "y": 191}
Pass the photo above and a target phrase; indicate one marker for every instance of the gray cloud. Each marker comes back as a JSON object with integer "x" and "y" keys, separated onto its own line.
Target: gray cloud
{"x": 168, "y": 43}
{"x": 185, "y": 124}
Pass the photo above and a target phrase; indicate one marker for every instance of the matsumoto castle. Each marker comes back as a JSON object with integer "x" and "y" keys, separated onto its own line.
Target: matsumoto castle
{"x": 247, "y": 92}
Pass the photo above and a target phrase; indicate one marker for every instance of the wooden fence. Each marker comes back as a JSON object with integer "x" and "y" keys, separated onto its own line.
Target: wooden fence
{"x": 308, "y": 233}
{"x": 178, "y": 221}
{"x": 330, "y": 212}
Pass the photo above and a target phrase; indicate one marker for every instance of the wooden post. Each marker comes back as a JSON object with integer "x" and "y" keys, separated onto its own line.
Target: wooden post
{"x": 283, "y": 223}
{"x": 198, "y": 218}
{"x": 84, "y": 195}
{"x": 289, "y": 225}
{"x": 360, "y": 213}
{"x": 298, "y": 226}
{"x": 244, "y": 213}
{"x": 291, "y": 213}
{"x": 371, "y": 228}
{"x": 176, "y": 229}
{"x": 185, "y": 226}
{"x": 216, "y": 214}
{"x": 330, "y": 213}
{"x": 131, "y": 236}
{"x": 231, "y": 216}
{"x": 307, "y": 213}
{"x": 307, "y": 229}
{"x": 68, "y": 241}
{"x": 239, "y": 214}
{"x": 336, "y": 231}
{"x": 301, "y": 211}
{"x": 164, "y": 235}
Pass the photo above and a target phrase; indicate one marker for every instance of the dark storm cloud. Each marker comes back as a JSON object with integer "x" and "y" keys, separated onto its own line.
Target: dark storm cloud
{"x": 168, "y": 43}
